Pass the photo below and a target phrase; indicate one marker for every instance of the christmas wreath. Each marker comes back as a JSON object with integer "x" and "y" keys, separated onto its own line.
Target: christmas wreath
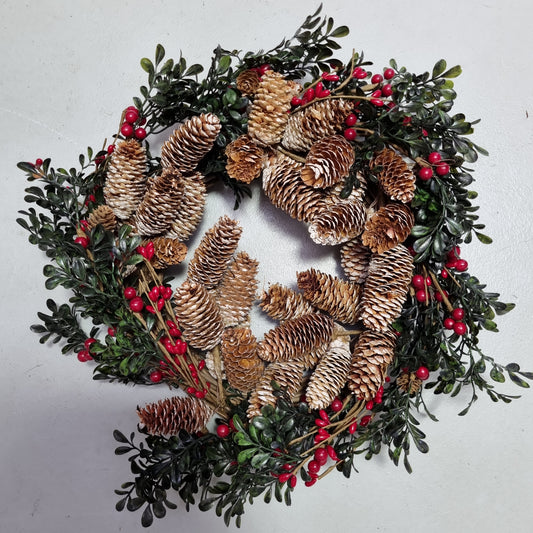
{"x": 375, "y": 165}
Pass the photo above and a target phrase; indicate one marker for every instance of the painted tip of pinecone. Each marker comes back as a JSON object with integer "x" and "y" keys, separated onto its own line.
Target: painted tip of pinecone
{"x": 394, "y": 175}
{"x": 245, "y": 159}
{"x": 389, "y": 226}
{"x": 329, "y": 161}
{"x": 248, "y": 82}
{"x": 169, "y": 416}
{"x": 104, "y": 216}
{"x": 168, "y": 252}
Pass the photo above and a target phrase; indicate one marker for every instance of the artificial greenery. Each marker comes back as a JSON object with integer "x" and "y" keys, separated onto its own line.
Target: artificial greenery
{"x": 265, "y": 456}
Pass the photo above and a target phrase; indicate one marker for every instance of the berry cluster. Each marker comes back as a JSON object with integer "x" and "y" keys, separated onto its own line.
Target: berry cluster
{"x": 131, "y": 125}
{"x": 425, "y": 173}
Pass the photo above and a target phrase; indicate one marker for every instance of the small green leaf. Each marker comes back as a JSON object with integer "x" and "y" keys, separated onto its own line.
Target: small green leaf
{"x": 147, "y": 517}
{"x": 159, "y": 54}
{"x": 119, "y": 436}
{"x": 453, "y": 72}
{"x": 485, "y": 239}
{"x": 439, "y": 68}
{"x": 194, "y": 70}
{"x": 224, "y": 64}
{"x": 147, "y": 65}
{"x": 341, "y": 31}
{"x": 518, "y": 380}
{"x": 259, "y": 460}
{"x": 496, "y": 375}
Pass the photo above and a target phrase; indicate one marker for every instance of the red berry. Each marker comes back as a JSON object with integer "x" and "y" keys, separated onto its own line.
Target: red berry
{"x": 353, "y": 428}
{"x": 377, "y": 102}
{"x": 282, "y": 478}
{"x": 110, "y": 148}
{"x": 425, "y": 173}
{"x": 200, "y": 394}
{"x": 38, "y": 162}
{"x": 449, "y": 323}
{"x": 140, "y": 133}
{"x": 321, "y": 455}
{"x": 351, "y": 119}
{"x": 88, "y": 342}
{"x": 406, "y": 120}
{"x": 369, "y": 405}
{"x": 332, "y": 453}
{"x": 420, "y": 295}
{"x": 313, "y": 467}
{"x": 126, "y": 130}
{"x": 418, "y": 281}
{"x": 461, "y": 265}
{"x": 458, "y": 313}
{"x": 129, "y": 293}
{"x": 386, "y": 90}
{"x": 459, "y": 328}
{"x": 454, "y": 253}
{"x": 156, "y": 376}
{"x": 389, "y": 73}
{"x": 292, "y": 481}
{"x": 336, "y": 405}
{"x": 376, "y": 94}
{"x": 296, "y": 101}
{"x": 131, "y": 116}
{"x": 181, "y": 347}
{"x": 310, "y": 483}
{"x": 111, "y": 331}
{"x": 82, "y": 241}
{"x": 365, "y": 420}
{"x": 321, "y": 423}
{"x": 359, "y": 73}
{"x": 83, "y": 356}
{"x": 422, "y": 373}
{"x": 323, "y": 415}
{"x": 442, "y": 169}
{"x": 424, "y": 132}
{"x": 377, "y": 78}
{"x": 434, "y": 157}
{"x": 350, "y": 134}
{"x": 136, "y": 304}
{"x": 190, "y": 390}
{"x": 444, "y": 274}
{"x": 264, "y": 68}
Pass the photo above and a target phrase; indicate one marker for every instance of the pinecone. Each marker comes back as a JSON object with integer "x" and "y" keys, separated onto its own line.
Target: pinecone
{"x": 329, "y": 161}
{"x": 357, "y": 194}
{"x": 385, "y": 289}
{"x": 211, "y": 363}
{"x": 395, "y": 176}
{"x": 190, "y": 142}
{"x": 248, "y": 82}
{"x": 243, "y": 366}
{"x": 237, "y": 291}
{"x": 269, "y": 113}
{"x": 389, "y": 226}
{"x": 355, "y": 259}
{"x": 169, "y": 416}
{"x": 371, "y": 357}
{"x": 284, "y": 187}
{"x": 168, "y": 252}
{"x": 321, "y": 119}
{"x": 160, "y": 203}
{"x": 338, "y": 298}
{"x": 125, "y": 184}
{"x": 213, "y": 254}
{"x": 198, "y": 315}
{"x": 282, "y": 303}
{"x": 296, "y": 337}
{"x": 408, "y": 382}
{"x": 330, "y": 375}
{"x": 191, "y": 209}
{"x": 338, "y": 223}
{"x": 287, "y": 374}
{"x": 104, "y": 216}
{"x": 245, "y": 159}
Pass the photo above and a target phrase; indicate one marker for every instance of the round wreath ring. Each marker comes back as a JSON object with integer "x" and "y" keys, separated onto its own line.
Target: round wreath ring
{"x": 373, "y": 163}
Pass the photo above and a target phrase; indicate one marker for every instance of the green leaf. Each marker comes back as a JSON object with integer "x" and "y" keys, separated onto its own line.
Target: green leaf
{"x": 439, "y": 68}
{"x": 260, "y": 422}
{"x": 244, "y": 455}
{"x": 159, "y": 54}
{"x": 259, "y": 460}
{"x": 497, "y": 376}
{"x": 147, "y": 517}
{"x": 119, "y": 436}
{"x": 420, "y": 231}
{"x": 147, "y": 65}
{"x": 517, "y": 380}
{"x": 230, "y": 98}
{"x": 485, "y": 239}
{"x": 341, "y": 31}
{"x": 453, "y": 72}
{"x": 224, "y": 64}
{"x": 194, "y": 70}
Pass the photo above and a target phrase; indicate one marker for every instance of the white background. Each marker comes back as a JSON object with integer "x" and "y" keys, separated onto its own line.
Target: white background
{"x": 68, "y": 70}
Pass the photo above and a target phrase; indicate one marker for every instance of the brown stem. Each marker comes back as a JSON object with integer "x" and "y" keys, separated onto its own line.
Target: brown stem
{"x": 449, "y": 306}
{"x": 291, "y": 155}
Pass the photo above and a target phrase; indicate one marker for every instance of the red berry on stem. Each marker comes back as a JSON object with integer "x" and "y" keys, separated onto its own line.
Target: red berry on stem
{"x": 88, "y": 342}
{"x": 313, "y": 467}
{"x": 111, "y": 331}
{"x": 351, "y": 119}
{"x": 131, "y": 116}
{"x": 449, "y": 323}
{"x": 136, "y": 304}
{"x": 332, "y": 453}
{"x": 461, "y": 265}
{"x": 458, "y": 313}
{"x": 389, "y": 73}
{"x": 156, "y": 376}
{"x": 422, "y": 373}
{"x": 350, "y": 134}
{"x": 140, "y": 133}
{"x": 425, "y": 173}
{"x": 38, "y": 162}
{"x": 444, "y": 274}
{"x": 377, "y": 78}
{"x": 459, "y": 328}
{"x": 129, "y": 293}
{"x": 292, "y": 481}
{"x": 310, "y": 483}
{"x": 321, "y": 454}
{"x": 296, "y": 101}
{"x": 82, "y": 241}
{"x": 336, "y": 406}
{"x": 377, "y": 102}
{"x": 418, "y": 281}
{"x": 386, "y": 90}
{"x": 454, "y": 253}
{"x": 442, "y": 169}
{"x": 365, "y": 420}
{"x": 223, "y": 430}
{"x": 264, "y": 68}
{"x": 376, "y": 94}
{"x": 369, "y": 405}
{"x": 421, "y": 295}
{"x": 126, "y": 130}
{"x": 110, "y": 148}
{"x": 434, "y": 157}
